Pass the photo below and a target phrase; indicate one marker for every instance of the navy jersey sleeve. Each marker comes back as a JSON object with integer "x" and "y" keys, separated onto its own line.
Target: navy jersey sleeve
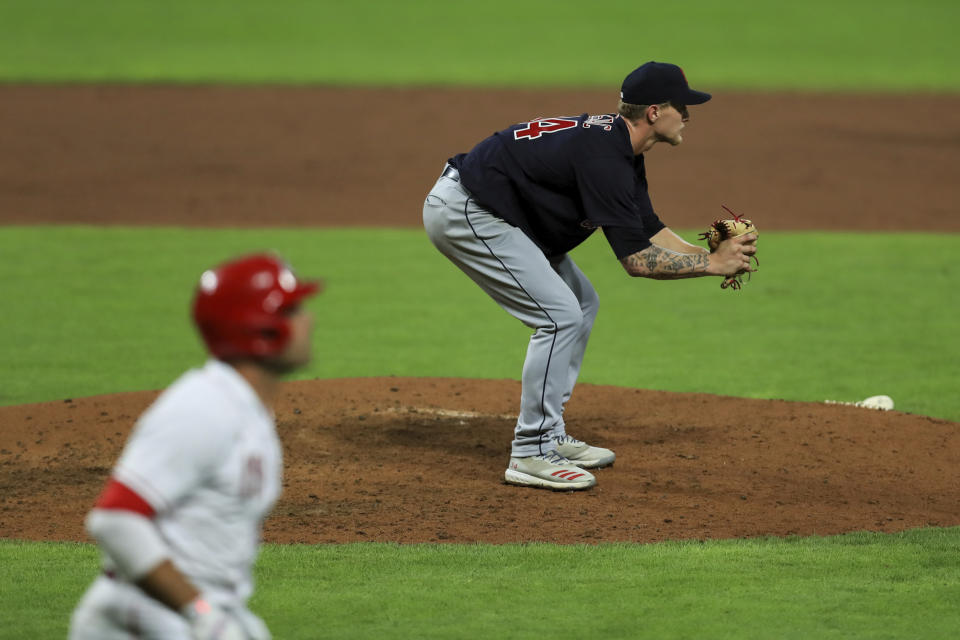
{"x": 615, "y": 197}
{"x": 606, "y": 190}
{"x": 626, "y": 241}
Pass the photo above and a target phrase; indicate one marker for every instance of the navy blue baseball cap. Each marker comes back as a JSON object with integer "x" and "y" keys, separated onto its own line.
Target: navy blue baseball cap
{"x": 659, "y": 82}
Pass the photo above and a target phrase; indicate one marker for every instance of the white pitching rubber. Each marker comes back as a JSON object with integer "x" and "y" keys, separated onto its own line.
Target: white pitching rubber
{"x": 880, "y": 403}
{"x": 883, "y": 403}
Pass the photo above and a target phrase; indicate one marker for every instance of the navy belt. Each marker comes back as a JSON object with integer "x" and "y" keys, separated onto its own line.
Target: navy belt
{"x": 452, "y": 173}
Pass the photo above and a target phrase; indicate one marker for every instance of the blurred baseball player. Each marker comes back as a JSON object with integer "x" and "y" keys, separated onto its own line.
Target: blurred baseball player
{"x": 179, "y": 520}
{"x": 507, "y": 213}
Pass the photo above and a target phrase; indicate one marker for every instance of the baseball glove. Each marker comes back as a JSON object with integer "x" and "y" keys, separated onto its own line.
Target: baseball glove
{"x": 724, "y": 229}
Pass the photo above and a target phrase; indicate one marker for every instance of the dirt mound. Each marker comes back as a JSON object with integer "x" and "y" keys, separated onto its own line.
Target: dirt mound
{"x": 422, "y": 460}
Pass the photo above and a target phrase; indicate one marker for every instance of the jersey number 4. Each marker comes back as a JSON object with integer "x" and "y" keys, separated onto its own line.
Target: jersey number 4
{"x": 536, "y": 128}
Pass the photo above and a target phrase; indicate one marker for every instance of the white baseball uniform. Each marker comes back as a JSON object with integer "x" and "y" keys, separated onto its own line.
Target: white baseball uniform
{"x": 206, "y": 457}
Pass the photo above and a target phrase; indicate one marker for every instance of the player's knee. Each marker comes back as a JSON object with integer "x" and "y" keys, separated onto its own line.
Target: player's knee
{"x": 590, "y": 305}
{"x": 571, "y": 317}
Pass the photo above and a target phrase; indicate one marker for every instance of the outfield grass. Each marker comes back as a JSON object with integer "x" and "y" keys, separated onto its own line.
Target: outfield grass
{"x": 100, "y": 310}
{"x": 753, "y": 44}
{"x": 863, "y": 585}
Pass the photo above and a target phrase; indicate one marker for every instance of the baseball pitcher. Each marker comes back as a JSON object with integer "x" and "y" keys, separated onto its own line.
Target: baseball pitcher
{"x": 508, "y": 212}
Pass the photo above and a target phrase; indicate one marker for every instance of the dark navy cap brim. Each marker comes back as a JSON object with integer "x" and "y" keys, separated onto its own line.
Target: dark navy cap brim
{"x": 697, "y": 97}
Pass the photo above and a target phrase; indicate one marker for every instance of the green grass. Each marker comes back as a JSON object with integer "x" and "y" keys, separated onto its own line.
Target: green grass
{"x": 754, "y": 44}
{"x": 861, "y": 585}
{"x": 99, "y": 310}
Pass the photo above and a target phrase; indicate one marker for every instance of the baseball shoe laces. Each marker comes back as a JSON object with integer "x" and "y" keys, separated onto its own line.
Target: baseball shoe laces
{"x": 553, "y": 457}
{"x": 582, "y": 454}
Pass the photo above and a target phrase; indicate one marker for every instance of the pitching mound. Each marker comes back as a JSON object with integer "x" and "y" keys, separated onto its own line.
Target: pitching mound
{"x": 422, "y": 460}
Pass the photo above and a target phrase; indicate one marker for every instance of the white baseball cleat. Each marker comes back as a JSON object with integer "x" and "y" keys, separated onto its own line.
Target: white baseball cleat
{"x": 549, "y": 471}
{"x": 582, "y": 454}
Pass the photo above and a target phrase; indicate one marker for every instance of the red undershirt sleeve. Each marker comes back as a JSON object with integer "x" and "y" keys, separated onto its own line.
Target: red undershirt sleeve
{"x": 117, "y": 495}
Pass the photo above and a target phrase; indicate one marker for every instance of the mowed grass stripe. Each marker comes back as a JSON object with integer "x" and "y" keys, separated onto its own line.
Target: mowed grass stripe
{"x": 829, "y": 315}
{"x": 819, "y": 44}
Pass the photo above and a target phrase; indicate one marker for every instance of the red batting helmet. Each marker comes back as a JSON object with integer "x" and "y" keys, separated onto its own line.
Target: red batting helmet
{"x": 239, "y": 306}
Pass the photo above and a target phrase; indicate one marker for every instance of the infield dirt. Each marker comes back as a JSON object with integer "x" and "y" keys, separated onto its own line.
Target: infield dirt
{"x": 421, "y": 460}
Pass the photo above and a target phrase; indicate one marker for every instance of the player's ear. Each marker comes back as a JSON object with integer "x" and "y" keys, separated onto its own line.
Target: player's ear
{"x": 652, "y": 113}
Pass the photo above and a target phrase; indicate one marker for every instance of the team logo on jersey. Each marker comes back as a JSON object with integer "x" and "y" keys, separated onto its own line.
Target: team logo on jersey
{"x": 605, "y": 121}
{"x": 251, "y": 483}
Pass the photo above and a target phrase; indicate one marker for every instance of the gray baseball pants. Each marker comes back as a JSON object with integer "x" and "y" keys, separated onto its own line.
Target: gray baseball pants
{"x": 551, "y": 296}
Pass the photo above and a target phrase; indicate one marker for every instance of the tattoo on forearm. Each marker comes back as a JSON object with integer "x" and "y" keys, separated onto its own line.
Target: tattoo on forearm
{"x": 662, "y": 264}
